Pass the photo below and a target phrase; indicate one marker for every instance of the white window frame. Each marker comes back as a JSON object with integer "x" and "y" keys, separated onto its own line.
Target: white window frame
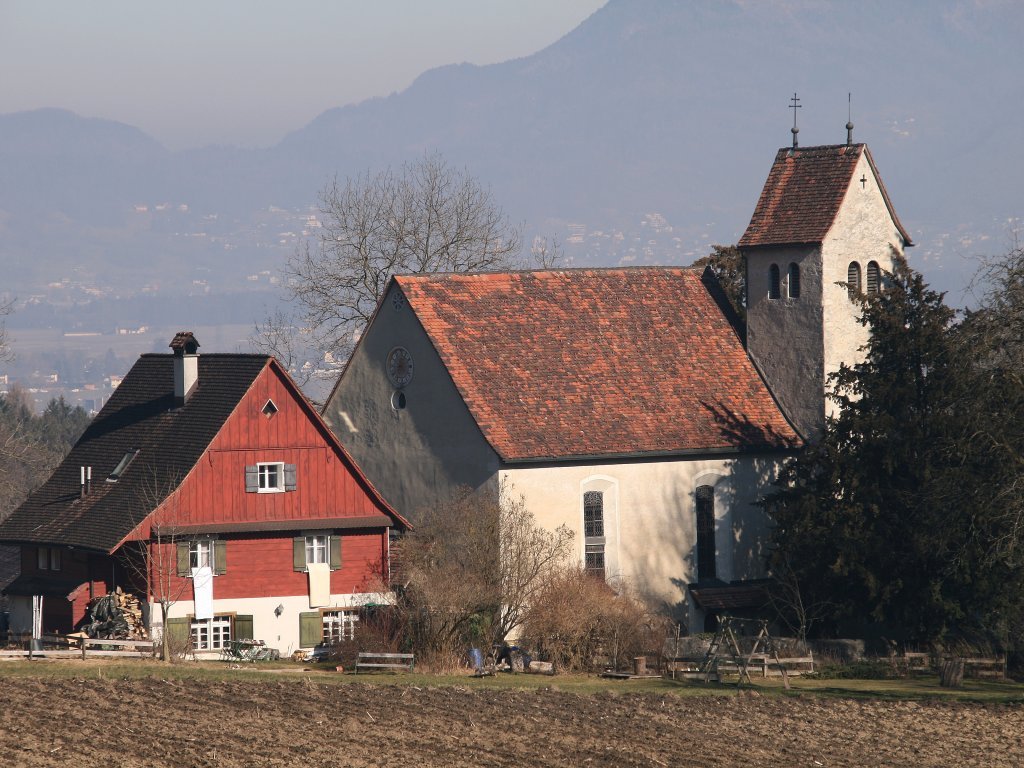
{"x": 211, "y": 634}
{"x": 339, "y": 624}
{"x": 264, "y": 472}
{"x": 318, "y": 548}
{"x": 200, "y": 550}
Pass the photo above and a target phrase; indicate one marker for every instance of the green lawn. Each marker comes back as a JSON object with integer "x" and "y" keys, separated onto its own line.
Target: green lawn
{"x": 925, "y": 687}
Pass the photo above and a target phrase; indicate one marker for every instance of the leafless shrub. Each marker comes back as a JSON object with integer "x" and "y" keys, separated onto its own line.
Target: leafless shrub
{"x": 578, "y": 622}
{"x": 470, "y": 570}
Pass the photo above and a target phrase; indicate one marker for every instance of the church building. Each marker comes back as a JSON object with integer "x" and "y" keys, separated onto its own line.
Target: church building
{"x": 623, "y": 403}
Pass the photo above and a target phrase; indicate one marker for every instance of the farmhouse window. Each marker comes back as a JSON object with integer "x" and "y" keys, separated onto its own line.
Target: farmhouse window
{"x": 317, "y": 548}
{"x": 270, "y": 477}
{"x": 706, "y": 532}
{"x": 339, "y": 625}
{"x": 211, "y": 634}
{"x": 198, "y": 553}
{"x": 773, "y": 282}
{"x": 794, "y": 280}
{"x": 48, "y": 559}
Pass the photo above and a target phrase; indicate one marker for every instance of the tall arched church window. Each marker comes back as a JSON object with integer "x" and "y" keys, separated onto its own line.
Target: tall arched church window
{"x": 593, "y": 533}
{"x": 773, "y": 281}
{"x": 794, "y": 280}
{"x": 874, "y": 277}
{"x": 853, "y": 279}
{"x": 706, "y": 533}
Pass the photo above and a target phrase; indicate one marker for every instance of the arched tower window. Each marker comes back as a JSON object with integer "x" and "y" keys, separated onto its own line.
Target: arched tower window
{"x": 853, "y": 279}
{"x": 706, "y": 533}
{"x": 874, "y": 277}
{"x": 593, "y": 532}
{"x": 794, "y": 280}
{"x": 773, "y": 281}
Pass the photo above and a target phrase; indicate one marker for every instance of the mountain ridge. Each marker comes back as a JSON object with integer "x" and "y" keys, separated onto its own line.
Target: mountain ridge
{"x": 645, "y": 108}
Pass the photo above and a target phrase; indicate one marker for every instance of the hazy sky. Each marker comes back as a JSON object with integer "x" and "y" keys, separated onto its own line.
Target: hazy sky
{"x": 197, "y": 72}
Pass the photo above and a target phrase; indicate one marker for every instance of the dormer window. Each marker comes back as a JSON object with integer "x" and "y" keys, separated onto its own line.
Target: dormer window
{"x": 774, "y": 290}
{"x": 122, "y": 465}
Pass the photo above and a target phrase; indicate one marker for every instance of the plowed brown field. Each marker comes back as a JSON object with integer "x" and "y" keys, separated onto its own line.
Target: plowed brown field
{"x": 286, "y": 722}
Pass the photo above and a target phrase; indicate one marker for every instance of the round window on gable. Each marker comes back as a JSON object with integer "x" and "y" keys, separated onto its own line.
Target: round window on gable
{"x": 398, "y": 400}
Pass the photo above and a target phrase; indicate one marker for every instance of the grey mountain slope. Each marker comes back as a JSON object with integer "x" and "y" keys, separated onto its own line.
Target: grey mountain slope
{"x": 646, "y": 106}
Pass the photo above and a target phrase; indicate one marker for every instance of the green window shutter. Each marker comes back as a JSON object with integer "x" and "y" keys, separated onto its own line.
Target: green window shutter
{"x": 220, "y": 557}
{"x": 243, "y": 628}
{"x": 252, "y": 479}
{"x": 334, "y": 544}
{"x": 311, "y": 629}
{"x": 183, "y": 569}
{"x": 299, "y": 553}
{"x": 178, "y": 632}
{"x": 289, "y": 477}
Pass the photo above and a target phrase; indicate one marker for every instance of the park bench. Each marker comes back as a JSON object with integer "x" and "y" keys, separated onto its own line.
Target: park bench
{"x": 405, "y": 662}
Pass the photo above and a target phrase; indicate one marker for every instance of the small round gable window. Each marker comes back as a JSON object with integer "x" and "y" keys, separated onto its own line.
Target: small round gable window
{"x": 398, "y": 400}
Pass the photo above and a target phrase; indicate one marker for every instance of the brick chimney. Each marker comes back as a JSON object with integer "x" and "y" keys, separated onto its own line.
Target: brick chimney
{"x": 186, "y": 365}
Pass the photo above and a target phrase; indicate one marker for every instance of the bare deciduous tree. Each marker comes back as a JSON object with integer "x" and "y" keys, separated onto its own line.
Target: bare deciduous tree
{"x": 154, "y": 559}
{"x": 545, "y": 253}
{"x": 472, "y": 567}
{"x": 425, "y": 217}
{"x": 5, "y": 341}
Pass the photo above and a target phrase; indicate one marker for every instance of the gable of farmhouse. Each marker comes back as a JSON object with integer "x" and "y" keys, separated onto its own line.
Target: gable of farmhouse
{"x": 213, "y": 461}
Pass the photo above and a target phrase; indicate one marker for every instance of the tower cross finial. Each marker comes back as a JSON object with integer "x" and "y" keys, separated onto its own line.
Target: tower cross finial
{"x": 849, "y": 119}
{"x": 795, "y": 106}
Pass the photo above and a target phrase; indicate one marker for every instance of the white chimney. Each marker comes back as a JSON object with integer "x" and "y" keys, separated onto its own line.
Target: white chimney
{"x": 186, "y": 364}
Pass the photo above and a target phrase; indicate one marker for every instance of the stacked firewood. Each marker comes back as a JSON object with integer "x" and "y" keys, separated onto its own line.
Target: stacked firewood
{"x": 116, "y": 616}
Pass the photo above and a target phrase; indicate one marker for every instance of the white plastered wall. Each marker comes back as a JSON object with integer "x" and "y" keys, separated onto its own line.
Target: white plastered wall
{"x": 863, "y": 231}
{"x": 277, "y": 631}
{"x": 650, "y": 519}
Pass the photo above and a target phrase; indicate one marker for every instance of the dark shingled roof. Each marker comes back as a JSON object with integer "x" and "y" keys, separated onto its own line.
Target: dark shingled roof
{"x": 597, "y": 362}
{"x": 802, "y": 195}
{"x": 140, "y": 414}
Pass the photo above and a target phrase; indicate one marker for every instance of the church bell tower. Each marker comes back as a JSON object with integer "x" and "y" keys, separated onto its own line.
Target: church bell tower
{"x": 823, "y": 229}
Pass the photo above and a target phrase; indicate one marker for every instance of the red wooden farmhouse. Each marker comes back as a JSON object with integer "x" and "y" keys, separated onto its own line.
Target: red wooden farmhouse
{"x": 210, "y": 484}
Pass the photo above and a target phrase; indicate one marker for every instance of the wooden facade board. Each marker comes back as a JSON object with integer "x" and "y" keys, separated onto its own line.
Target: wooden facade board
{"x": 214, "y": 491}
{"x": 362, "y": 555}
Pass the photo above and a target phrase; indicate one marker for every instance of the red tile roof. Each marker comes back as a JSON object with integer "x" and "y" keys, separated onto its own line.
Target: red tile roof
{"x": 597, "y": 362}
{"x": 802, "y": 195}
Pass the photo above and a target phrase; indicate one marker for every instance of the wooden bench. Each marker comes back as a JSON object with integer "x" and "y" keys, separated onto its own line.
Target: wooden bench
{"x": 985, "y": 667}
{"x": 405, "y": 662}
